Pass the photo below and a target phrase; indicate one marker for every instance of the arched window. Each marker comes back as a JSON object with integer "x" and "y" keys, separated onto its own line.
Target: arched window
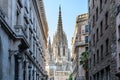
{"x": 58, "y": 51}
{"x": 64, "y": 51}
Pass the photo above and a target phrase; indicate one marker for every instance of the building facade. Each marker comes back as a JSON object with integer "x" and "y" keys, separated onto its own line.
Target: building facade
{"x": 118, "y": 40}
{"x": 23, "y": 40}
{"x": 79, "y": 45}
{"x": 103, "y": 44}
{"x": 59, "y": 63}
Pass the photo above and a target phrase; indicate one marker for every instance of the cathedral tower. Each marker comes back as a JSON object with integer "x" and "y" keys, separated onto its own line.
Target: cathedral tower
{"x": 60, "y": 53}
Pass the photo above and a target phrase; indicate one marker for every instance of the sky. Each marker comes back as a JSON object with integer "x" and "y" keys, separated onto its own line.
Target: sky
{"x": 70, "y": 10}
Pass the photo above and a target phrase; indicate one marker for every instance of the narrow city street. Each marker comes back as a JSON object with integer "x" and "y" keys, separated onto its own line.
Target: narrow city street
{"x": 59, "y": 39}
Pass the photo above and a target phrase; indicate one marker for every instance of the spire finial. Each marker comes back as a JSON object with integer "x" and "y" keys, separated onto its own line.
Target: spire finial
{"x": 60, "y": 7}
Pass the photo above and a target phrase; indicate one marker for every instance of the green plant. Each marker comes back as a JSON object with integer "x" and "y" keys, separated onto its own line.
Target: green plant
{"x": 84, "y": 60}
{"x": 70, "y": 76}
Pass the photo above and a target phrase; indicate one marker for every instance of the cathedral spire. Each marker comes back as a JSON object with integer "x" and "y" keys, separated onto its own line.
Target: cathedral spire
{"x": 60, "y": 28}
{"x": 49, "y": 45}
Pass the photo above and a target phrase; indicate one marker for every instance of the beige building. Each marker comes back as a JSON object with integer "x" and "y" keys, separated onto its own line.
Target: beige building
{"x": 23, "y": 40}
{"x": 79, "y": 45}
{"x": 59, "y": 64}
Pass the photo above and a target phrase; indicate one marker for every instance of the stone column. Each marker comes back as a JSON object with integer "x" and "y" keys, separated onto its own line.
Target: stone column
{"x": 35, "y": 74}
{"x": 20, "y": 70}
{"x": 27, "y": 71}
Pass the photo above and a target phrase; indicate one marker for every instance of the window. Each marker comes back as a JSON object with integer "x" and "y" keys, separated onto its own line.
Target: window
{"x": 30, "y": 38}
{"x": 101, "y": 52}
{"x": 86, "y": 28}
{"x": 107, "y": 46}
{"x": 86, "y": 48}
{"x": 25, "y": 29}
{"x": 26, "y": 5}
{"x": 58, "y": 51}
{"x": 33, "y": 46}
{"x": 93, "y": 3}
{"x": 20, "y": 3}
{"x": 97, "y": 56}
{"x": 94, "y": 40}
{"x": 107, "y": 73}
{"x": 101, "y": 28}
{"x": 97, "y": 76}
{"x": 94, "y": 59}
{"x": 90, "y": 78}
{"x": 102, "y": 74}
{"x": 90, "y": 62}
{"x": 30, "y": 13}
{"x": 89, "y": 10}
{"x": 94, "y": 76}
{"x": 17, "y": 18}
{"x": 64, "y": 51}
{"x": 106, "y": 20}
{"x": 86, "y": 39}
{"x": 16, "y": 68}
{"x": 97, "y": 36}
{"x": 105, "y": 1}
{"x": 96, "y": 13}
{"x": 33, "y": 74}
{"x": 93, "y": 21}
{"x": 50, "y": 56}
{"x": 119, "y": 31}
{"x": 100, "y": 5}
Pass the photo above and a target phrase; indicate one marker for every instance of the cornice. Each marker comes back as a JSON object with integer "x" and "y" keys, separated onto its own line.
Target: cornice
{"x": 39, "y": 9}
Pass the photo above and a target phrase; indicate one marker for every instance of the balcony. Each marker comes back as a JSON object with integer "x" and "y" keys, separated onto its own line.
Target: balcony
{"x": 81, "y": 43}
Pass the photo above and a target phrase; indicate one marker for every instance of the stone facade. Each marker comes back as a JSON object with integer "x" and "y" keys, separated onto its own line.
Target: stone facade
{"x": 118, "y": 40}
{"x": 59, "y": 64}
{"x": 23, "y": 40}
{"x": 102, "y": 44}
{"x": 79, "y": 45}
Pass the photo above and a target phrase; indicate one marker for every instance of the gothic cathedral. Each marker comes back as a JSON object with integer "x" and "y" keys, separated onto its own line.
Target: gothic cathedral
{"x": 59, "y": 61}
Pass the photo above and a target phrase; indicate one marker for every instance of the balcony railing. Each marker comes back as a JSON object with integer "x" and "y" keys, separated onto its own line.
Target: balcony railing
{"x": 81, "y": 43}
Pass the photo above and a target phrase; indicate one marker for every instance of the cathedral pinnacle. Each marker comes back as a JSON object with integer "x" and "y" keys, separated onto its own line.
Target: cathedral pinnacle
{"x": 60, "y": 28}
{"x": 60, "y": 37}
